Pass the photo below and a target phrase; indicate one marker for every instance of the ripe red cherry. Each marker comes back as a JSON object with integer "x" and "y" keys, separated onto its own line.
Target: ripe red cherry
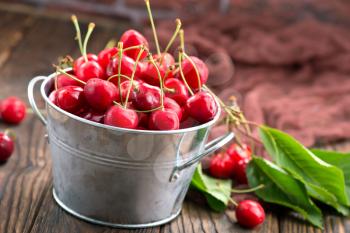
{"x": 105, "y": 56}
{"x": 70, "y": 98}
{"x": 239, "y": 152}
{"x": 202, "y": 107}
{"x": 6, "y": 147}
{"x": 133, "y": 38}
{"x": 89, "y": 70}
{"x": 150, "y": 74}
{"x": 250, "y": 214}
{"x": 164, "y": 119}
{"x": 143, "y": 119}
{"x": 64, "y": 80}
{"x": 147, "y": 97}
{"x": 127, "y": 67}
{"x": 124, "y": 88}
{"x": 100, "y": 94}
{"x": 172, "y": 105}
{"x": 221, "y": 166}
{"x": 240, "y": 174}
{"x": 79, "y": 61}
{"x": 190, "y": 72}
{"x": 12, "y": 110}
{"x": 121, "y": 117}
{"x": 177, "y": 90}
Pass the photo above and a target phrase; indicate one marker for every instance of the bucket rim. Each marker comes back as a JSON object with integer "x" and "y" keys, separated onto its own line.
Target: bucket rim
{"x": 119, "y": 129}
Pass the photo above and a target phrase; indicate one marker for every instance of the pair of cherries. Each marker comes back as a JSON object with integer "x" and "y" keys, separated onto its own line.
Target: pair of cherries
{"x": 132, "y": 95}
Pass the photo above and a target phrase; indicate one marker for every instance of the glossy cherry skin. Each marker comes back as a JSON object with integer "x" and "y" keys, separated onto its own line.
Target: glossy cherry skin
{"x": 127, "y": 67}
{"x": 12, "y": 110}
{"x": 70, "y": 98}
{"x": 133, "y": 38}
{"x": 64, "y": 80}
{"x": 177, "y": 90}
{"x": 163, "y": 119}
{"x": 147, "y": 97}
{"x": 221, "y": 166}
{"x": 100, "y": 94}
{"x": 238, "y": 153}
{"x": 6, "y": 147}
{"x": 190, "y": 72}
{"x": 172, "y": 105}
{"x": 92, "y": 115}
{"x": 124, "y": 88}
{"x": 89, "y": 70}
{"x": 80, "y": 60}
{"x": 121, "y": 117}
{"x": 250, "y": 214}
{"x": 106, "y": 55}
{"x": 202, "y": 107}
{"x": 240, "y": 174}
{"x": 150, "y": 74}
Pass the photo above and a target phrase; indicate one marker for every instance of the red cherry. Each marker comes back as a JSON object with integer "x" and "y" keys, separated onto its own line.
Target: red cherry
{"x": 239, "y": 152}
{"x": 202, "y": 107}
{"x": 105, "y": 56}
{"x": 133, "y": 38}
{"x": 250, "y": 214}
{"x": 240, "y": 174}
{"x": 6, "y": 147}
{"x": 64, "y": 80}
{"x": 69, "y": 98}
{"x": 12, "y": 110}
{"x": 150, "y": 74}
{"x": 79, "y": 61}
{"x": 190, "y": 72}
{"x": 177, "y": 90}
{"x": 164, "y": 119}
{"x": 143, "y": 119}
{"x": 100, "y": 94}
{"x": 147, "y": 97}
{"x": 127, "y": 67}
{"x": 124, "y": 88}
{"x": 172, "y": 105}
{"x": 184, "y": 114}
{"x": 89, "y": 70}
{"x": 221, "y": 166}
{"x": 121, "y": 117}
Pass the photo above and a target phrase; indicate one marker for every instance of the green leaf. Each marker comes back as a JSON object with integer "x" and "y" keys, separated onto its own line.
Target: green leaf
{"x": 323, "y": 181}
{"x": 216, "y": 191}
{"x": 282, "y": 189}
{"x": 340, "y": 160}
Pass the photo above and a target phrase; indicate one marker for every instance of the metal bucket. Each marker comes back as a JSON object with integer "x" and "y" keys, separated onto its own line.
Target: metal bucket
{"x": 120, "y": 177}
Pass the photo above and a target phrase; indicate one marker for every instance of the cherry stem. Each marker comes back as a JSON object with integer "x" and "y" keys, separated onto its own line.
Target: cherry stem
{"x": 136, "y": 47}
{"x": 10, "y": 134}
{"x": 248, "y": 190}
{"x": 153, "y": 27}
{"x": 182, "y": 74}
{"x": 160, "y": 80}
{"x": 195, "y": 68}
{"x": 178, "y": 27}
{"x": 87, "y": 37}
{"x": 230, "y": 199}
{"x": 182, "y": 40}
{"x": 117, "y": 75}
{"x": 78, "y": 33}
{"x": 120, "y": 55}
{"x": 133, "y": 75}
{"x": 111, "y": 43}
{"x": 69, "y": 75}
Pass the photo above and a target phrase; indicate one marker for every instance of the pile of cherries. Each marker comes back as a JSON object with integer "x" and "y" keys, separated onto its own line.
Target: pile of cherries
{"x": 126, "y": 86}
{"x": 12, "y": 111}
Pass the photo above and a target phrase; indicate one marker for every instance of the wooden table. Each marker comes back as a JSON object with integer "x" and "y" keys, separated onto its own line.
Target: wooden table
{"x": 29, "y": 44}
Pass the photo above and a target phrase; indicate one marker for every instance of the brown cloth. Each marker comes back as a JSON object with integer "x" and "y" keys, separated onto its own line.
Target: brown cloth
{"x": 291, "y": 63}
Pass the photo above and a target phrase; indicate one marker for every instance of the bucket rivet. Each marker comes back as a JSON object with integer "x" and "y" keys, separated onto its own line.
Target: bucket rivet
{"x": 174, "y": 176}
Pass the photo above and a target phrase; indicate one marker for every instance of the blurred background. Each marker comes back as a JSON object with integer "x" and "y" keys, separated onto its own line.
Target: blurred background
{"x": 286, "y": 61}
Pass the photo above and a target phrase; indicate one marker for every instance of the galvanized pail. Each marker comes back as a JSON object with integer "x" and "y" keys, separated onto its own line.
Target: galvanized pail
{"x": 120, "y": 177}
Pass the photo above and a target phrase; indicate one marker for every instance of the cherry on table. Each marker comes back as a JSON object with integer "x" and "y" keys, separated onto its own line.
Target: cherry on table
{"x": 6, "y": 147}
{"x": 12, "y": 110}
{"x": 69, "y": 98}
{"x": 221, "y": 166}
{"x": 176, "y": 90}
{"x": 240, "y": 174}
{"x": 121, "y": 117}
{"x": 249, "y": 213}
{"x": 133, "y": 38}
{"x": 202, "y": 107}
{"x": 173, "y": 105}
{"x": 164, "y": 119}
{"x": 147, "y": 97}
{"x": 190, "y": 72}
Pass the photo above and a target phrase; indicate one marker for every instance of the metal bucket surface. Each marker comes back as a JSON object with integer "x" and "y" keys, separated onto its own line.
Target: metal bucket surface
{"x": 120, "y": 177}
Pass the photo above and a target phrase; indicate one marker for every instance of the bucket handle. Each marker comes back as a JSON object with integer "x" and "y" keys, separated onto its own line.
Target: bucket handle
{"x": 209, "y": 148}
{"x": 31, "y": 99}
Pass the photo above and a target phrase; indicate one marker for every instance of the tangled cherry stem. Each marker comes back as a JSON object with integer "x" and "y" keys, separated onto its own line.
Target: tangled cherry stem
{"x": 116, "y": 76}
{"x": 120, "y": 55}
{"x": 78, "y": 33}
{"x": 68, "y": 75}
{"x": 150, "y": 57}
{"x": 87, "y": 37}
{"x": 248, "y": 190}
{"x": 153, "y": 26}
{"x": 111, "y": 43}
{"x": 171, "y": 41}
{"x": 195, "y": 69}
{"x": 182, "y": 74}
{"x": 182, "y": 40}
{"x": 133, "y": 75}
